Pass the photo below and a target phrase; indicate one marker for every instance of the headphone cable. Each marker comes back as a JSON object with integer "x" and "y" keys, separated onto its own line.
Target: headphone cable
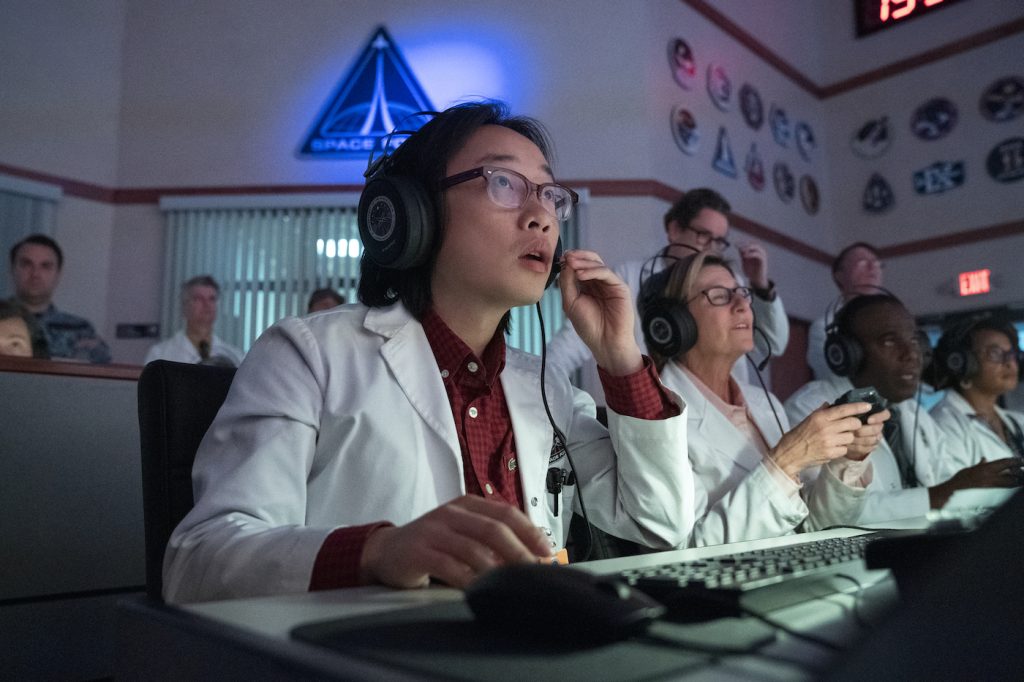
{"x": 560, "y": 437}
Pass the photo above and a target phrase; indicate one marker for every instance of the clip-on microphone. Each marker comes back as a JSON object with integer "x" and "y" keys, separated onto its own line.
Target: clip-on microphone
{"x": 556, "y": 479}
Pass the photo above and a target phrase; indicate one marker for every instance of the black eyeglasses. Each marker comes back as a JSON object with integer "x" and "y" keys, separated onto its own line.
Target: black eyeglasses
{"x": 704, "y": 238}
{"x": 999, "y": 356}
{"x": 510, "y": 189}
{"x": 719, "y": 296}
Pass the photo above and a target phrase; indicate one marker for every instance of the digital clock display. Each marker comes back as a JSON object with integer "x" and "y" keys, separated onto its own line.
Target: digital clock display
{"x": 874, "y": 15}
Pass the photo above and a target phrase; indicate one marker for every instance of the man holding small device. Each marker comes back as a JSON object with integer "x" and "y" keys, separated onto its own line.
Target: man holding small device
{"x": 874, "y": 344}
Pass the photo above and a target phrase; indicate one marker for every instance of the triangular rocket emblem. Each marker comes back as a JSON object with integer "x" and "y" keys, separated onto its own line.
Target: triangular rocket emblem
{"x": 379, "y": 94}
{"x": 723, "y": 162}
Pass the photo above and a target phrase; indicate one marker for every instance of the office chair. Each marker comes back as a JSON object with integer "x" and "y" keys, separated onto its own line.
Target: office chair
{"x": 177, "y": 404}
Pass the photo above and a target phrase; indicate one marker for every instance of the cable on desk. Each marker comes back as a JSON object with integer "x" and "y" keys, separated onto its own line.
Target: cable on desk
{"x": 841, "y": 526}
{"x": 824, "y": 643}
{"x": 716, "y": 652}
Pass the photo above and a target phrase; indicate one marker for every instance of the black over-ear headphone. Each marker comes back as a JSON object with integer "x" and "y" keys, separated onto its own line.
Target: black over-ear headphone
{"x": 668, "y": 325}
{"x": 396, "y": 218}
{"x": 955, "y": 354}
{"x": 397, "y": 221}
{"x": 844, "y": 354}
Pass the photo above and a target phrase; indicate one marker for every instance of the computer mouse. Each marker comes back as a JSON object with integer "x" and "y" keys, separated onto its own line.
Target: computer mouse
{"x": 550, "y": 601}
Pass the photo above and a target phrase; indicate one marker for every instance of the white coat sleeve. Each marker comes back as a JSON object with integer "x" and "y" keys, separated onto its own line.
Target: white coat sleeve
{"x": 635, "y": 478}
{"x": 770, "y": 318}
{"x": 246, "y": 534}
{"x": 816, "y": 349}
{"x": 756, "y": 508}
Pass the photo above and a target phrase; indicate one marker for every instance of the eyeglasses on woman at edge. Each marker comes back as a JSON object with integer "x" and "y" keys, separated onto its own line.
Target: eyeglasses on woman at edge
{"x": 510, "y": 189}
{"x": 998, "y": 356}
{"x": 719, "y": 296}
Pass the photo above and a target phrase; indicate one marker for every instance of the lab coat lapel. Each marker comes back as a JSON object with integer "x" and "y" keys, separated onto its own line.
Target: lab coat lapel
{"x": 760, "y": 410}
{"x": 715, "y": 431}
{"x": 408, "y": 355}
{"x": 533, "y": 437}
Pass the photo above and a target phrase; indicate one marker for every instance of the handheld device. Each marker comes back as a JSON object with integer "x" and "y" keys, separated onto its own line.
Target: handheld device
{"x": 868, "y": 394}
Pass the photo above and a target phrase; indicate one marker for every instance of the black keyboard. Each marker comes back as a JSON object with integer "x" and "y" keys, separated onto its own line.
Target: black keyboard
{"x": 760, "y": 580}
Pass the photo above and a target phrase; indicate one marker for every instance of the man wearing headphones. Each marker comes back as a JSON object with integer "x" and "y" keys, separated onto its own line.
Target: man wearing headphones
{"x": 856, "y": 270}
{"x": 697, "y": 222}
{"x": 398, "y": 441}
{"x": 874, "y": 342}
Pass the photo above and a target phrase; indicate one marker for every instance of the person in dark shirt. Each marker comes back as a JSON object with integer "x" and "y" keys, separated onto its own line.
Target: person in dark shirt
{"x": 36, "y": 263}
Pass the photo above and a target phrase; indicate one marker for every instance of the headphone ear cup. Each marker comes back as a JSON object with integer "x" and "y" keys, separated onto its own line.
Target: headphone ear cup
{"x": 962, "y": 364}
{"x": 843, "y": 355}
{"x": 669, "y": 328}
{"x": 396, "y": 222}
{"x": 556, "y": 264}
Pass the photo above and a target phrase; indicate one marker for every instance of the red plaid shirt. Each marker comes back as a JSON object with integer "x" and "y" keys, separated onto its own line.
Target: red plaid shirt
{"x": 484, "y": 428}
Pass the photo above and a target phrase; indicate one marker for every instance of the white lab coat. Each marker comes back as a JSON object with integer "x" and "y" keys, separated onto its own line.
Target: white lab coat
{"x": 816, "y": 336}
{"x": 178, "y": 348}
{"x": 738, "y": 498}
{"x": 567, "y": 352}
{"x": 959, "y": 420}
{"x": 934, "y": 455}
{"x": 341, "y": 418}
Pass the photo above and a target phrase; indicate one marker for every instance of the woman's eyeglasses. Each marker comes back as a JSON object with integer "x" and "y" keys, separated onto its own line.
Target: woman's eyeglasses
{"x": 719, "y": 296}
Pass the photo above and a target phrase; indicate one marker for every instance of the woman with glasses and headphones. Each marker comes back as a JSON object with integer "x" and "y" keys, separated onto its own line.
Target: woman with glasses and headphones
{"x": 755, "y": 477}
{"x": 979, "y": 361}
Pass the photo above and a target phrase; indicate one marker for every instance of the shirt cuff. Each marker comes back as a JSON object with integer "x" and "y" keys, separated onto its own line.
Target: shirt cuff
{"x": 767, "y": 294}
{"x": 851, "y": 472}
{"x": 639, "y": 395}
{"x": 790, "y": 485}
{"x": 337, "y": 562}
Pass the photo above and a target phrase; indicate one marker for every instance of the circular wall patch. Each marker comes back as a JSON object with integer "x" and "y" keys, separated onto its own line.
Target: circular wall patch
{"x": 872, "y": 139}
{"x": 785, "y": 184}
{"x": 1003, "y": 100}
{"x": 934, "y": 119}
{"x": 751, "y": 106}
{"x": 684, "y": 130}
{"x": 809, "y": 195}
{"x": 782, "y": 129}
{"x": 682, "y": 63}
{"x": 1005, "y": 162}
{"x": 805, "y": 140}
{"x": 719, "y": 87}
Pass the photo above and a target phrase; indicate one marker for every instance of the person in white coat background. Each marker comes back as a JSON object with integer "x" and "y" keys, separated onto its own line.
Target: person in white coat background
{"x": 978, "y": 361}
{"x": 917, "y": 467}
{"x": 697, "y": 221}
{"x": 749, "y": 466}
{"x": 858, "y": 269}
{"x": 196, "y": 343}
{"x": 398, "y": 441}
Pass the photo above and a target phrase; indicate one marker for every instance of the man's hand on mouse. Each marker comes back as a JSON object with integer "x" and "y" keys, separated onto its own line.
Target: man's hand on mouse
{"x": 454, "y": 543}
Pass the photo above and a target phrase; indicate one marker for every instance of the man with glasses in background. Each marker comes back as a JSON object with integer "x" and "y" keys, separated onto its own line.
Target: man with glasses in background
{"x": 697, "y": 222}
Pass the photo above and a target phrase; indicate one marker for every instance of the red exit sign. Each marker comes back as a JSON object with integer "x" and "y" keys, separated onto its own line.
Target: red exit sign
{"x": 976, "y": 282}
{"x": 874, "y": 15}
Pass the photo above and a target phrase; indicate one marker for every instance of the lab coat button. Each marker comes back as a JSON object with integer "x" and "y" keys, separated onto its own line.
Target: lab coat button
{"x": 472, "y": 366}
{"x": 473, "y": 412}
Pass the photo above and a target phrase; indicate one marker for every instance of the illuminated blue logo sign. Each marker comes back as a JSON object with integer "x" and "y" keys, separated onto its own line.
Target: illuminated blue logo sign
{"x": 378, "y": 95}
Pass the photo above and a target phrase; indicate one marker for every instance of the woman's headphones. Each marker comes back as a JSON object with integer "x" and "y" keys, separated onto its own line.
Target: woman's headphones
{"x": 955, "y": 358}
{"x": 667, "y": 323}
{"x": 398, "y": 222}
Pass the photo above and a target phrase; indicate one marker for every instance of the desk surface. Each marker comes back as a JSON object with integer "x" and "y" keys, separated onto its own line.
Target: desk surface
{"x": 260, "y": 629}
